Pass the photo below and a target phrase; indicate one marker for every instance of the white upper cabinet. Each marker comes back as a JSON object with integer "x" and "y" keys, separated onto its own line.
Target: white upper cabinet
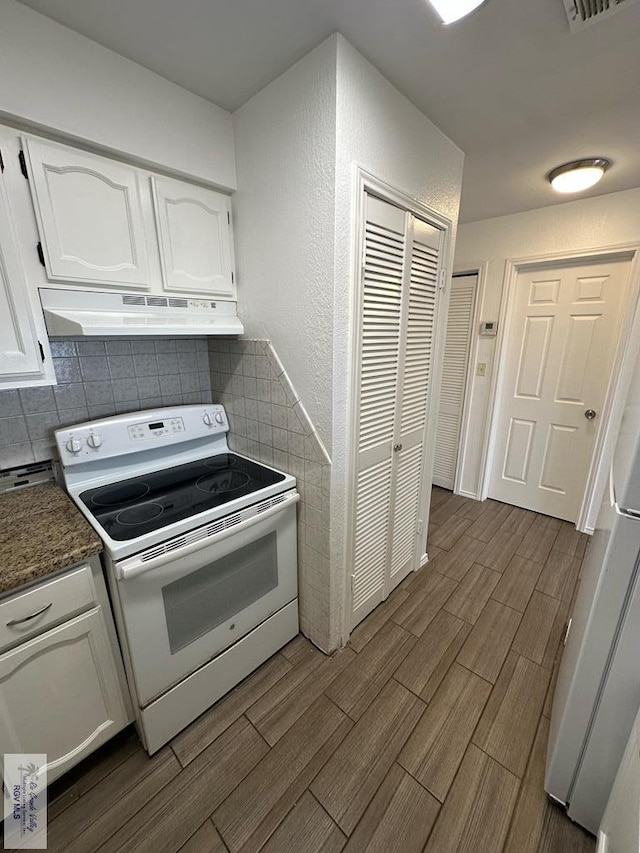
{"x": 194, "y": 232}
{"x": 21, "y": 358}
{"x": 89, "y": 214}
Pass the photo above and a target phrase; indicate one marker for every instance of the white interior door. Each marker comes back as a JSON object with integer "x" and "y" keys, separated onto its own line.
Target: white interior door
{"x": 560, "y": 344}
{"x": 454, "y": 378}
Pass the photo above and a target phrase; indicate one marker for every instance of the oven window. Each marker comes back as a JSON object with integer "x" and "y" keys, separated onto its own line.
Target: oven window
{"x": 204, "y": 599}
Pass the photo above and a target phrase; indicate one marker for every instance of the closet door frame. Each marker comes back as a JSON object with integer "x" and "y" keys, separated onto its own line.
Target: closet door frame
{"x": 365, "y": 182}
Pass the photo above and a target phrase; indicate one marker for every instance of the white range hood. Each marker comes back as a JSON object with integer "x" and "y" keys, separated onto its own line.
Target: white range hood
{"x": 83, "y": 312}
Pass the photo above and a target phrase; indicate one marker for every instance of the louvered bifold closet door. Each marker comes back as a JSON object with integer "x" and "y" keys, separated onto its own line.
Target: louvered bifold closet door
{"x": 414, "y": 386}
{"x": 454, "y": 377}
{"x": 380, "y": 321}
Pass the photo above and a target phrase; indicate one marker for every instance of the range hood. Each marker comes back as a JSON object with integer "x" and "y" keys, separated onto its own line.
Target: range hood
{"x": 83, "y": 312}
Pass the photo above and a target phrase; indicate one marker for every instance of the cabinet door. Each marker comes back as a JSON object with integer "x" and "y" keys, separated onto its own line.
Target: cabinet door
{"x": 89, "y": 216}
{"x": 194, "y": 231}
{"x": 20, "y": 357}
{"x": 60, "y": 693}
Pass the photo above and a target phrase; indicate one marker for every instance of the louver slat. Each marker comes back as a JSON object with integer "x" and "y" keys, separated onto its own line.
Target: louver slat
{"x": 405, "y": 512}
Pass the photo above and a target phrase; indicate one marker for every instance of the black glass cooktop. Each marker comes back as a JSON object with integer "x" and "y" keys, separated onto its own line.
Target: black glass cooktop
{"x": 134, "y": 507}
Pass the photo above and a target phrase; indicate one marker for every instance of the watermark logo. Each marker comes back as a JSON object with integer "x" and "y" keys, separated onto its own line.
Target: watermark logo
{"x": 25, "y": 801}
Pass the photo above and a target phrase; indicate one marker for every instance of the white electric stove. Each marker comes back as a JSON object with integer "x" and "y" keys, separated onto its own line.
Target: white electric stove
{"x": 200, "y": 554}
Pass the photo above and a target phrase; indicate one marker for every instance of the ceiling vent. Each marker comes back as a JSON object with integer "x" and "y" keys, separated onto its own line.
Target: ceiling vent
{"x": 584, "y": 13}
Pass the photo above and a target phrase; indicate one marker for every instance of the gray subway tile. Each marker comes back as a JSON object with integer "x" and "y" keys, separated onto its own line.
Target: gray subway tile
{"x": 187, "y": 361}
{"x": 167, "y": 363}
{"x": 204, "y": 378}
{"x": 189, "y": 382}
{"x": 62, "y": 348}
{"x": 149, "y": 386}
{"x": 16, "y": 454}
{"x": 69, "y": 417}
{"x": 121, "y": 366}
{"x": 42, "y": 425}
{"x": 263, "y": 390}
{"x": 280, "y": 416}
{"x": 151, "y": 403}
{"x": 280, "y": 439}
{"x": 67, "y": 369}
{"x": 170, "y": 384}
{"x": 265, "y": 433}
{"x": 206, "y": 396}
{"x": 293, "y": 422}
{"x": 145, "y": 345}
{"x": 123, "y": 407}
{"x": 172, "y": 399}
{"x": 85, "y": 348}
{"x": 202, "y": 359}
{"x": 102, "y": 410}
{"x": 164, "y": 345}
{"x": 98, "y": 393}
{"x": 296, "y": 445}
{"x": 186, "y": 345}
{"x": 192, "y": 399}
{"x": 118, "y": 347}
{"x": 145, "y": 364}
{"x": 43, "y": 450}
{"x": 10, "y": 403}
{"x": 94, "y": 368}
{"x": 265, "y": 412}
{"x": 124, "y": 389}
{"x": 70, "y": 396}
{"x": 13, "y": 431}
{"x": 37, "y": 400}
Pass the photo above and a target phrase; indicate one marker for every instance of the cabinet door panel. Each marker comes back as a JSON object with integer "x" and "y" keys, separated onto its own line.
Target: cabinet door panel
{"x": 19, "y": 351}
{"x": 74, "y": 668}
{"x": 195, "y": 238}
{"x": 89, "y": 215}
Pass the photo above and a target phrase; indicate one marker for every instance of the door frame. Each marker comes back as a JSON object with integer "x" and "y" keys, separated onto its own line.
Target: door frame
{"x": 626, "y": 350}
{"x": 364, "y": 181}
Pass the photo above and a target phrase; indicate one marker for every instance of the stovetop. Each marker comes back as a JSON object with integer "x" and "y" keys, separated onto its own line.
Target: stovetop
{"x": 140, "y": 505}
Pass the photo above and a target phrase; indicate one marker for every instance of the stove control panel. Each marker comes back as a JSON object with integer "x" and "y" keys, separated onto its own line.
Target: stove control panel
{"x": 140, "y": 432}
{"x": 155, "y": 429}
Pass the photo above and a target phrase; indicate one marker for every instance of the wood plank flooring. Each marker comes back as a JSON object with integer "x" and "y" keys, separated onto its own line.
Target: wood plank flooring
{"x": 427, "y": 733}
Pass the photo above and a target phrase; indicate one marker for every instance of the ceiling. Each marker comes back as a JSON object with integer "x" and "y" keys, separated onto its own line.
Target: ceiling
{"x": 510, "y": 85}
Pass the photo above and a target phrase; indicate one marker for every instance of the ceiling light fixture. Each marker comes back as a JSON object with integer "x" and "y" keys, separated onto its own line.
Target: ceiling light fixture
{"x": 578, "y": 175}
{"x": 453, "y": 10}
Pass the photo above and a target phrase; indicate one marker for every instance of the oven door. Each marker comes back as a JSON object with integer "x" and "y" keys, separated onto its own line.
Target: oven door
{"x": 188, "y": 600}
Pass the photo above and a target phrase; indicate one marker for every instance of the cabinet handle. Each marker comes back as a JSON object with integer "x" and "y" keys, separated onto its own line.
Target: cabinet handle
{"x": 397, "y": 447}
{"x": 42, "y": 610}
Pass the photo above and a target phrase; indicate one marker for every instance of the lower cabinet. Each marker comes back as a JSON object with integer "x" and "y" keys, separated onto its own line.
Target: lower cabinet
{"x": 62, "y": 692}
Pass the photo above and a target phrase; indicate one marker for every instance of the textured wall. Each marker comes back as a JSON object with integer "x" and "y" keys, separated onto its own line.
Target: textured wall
{"x": 570, "y": 227}
{"x": 97, "y": 378}
{"x": 381, "y": 131}
{"x": 283, "y": 216}
{"x": 56, "y": 78}
{"x": 269, "y": 423}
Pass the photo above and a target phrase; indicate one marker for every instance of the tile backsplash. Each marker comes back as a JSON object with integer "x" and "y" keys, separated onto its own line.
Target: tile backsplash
{"x": 97, "y": 378}
{"x": 269, "y": 422}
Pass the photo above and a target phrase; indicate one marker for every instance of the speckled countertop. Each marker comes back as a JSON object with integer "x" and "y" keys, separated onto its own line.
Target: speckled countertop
{"x": 41, "y": 531}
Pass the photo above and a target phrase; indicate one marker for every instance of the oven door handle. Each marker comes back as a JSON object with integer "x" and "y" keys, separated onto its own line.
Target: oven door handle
{"x": 137, "y": 567}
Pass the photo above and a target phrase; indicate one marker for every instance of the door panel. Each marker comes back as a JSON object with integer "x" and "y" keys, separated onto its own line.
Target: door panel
{"x": 454, "y": 378}
{"x": 559, "y": 351}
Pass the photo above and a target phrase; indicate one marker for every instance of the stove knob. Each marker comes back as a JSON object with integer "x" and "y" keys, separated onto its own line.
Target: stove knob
{"x": 94, "y": 440}
{"x": 207, "y": 419}
{"x": 74, "y": 445}
{"x": 219, "y": 418}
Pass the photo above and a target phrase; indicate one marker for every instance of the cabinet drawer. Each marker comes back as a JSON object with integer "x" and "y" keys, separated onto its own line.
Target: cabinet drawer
{"x": 30, "y": 613}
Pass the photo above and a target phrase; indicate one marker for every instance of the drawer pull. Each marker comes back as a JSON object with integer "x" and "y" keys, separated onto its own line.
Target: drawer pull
{"x": 42, "y": 610}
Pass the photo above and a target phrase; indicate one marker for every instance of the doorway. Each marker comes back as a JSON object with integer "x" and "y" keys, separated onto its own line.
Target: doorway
{"x": 560, "y": 343}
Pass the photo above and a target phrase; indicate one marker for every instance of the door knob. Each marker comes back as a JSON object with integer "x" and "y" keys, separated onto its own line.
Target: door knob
{"x": 397, "y": 447}
{"x": 590, "y": 414}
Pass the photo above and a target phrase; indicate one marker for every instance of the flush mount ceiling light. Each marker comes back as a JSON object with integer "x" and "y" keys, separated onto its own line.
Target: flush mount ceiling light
{"x": 453, "y": 10}
{"x": 578, "y": 175}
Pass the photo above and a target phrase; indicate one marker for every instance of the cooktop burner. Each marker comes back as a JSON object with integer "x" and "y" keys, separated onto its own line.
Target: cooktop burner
{"x": 140, "y": 505}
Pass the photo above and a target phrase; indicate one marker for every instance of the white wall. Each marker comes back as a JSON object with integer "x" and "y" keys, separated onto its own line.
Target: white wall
{"x": 576, "y": 226}
{"x": 55, "y": 79}
{"x": 379, "y": 130}
{"x": 283, "y": 215}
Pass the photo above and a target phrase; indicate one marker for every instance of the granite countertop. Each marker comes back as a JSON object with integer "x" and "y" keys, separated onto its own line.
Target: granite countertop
{"x": 41, "y": 531}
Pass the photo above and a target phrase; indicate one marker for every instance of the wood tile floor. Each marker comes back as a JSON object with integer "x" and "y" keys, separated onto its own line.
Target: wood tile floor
{"x": 428, "y": 732}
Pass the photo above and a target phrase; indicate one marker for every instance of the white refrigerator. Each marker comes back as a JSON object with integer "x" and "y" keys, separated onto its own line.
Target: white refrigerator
{"x": 598, "y": 691}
